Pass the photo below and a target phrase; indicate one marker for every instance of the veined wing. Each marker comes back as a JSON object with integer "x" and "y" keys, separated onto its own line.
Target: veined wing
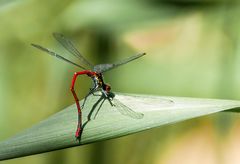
{"x": 56, "y": 55}
{"x": 100, "y": 68}
{"x": 68, "y": 45}
{"x": 126, "y": 111}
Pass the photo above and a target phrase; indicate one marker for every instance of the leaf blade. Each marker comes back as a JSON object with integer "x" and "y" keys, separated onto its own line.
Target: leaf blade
{"x": 57, "y": 131}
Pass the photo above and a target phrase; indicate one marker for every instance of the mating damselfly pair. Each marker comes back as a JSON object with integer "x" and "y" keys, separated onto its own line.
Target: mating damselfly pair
{"x": 95, "y": 72}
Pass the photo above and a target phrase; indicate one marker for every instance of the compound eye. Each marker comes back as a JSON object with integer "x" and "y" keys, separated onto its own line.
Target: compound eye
{"x": 108, "y": 88}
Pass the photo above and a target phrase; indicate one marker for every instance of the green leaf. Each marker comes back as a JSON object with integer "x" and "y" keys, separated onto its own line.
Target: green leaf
{"x": 58, "y": 131}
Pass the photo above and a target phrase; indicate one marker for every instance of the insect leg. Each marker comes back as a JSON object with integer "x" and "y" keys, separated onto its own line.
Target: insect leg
{"x": 107, "y": 97}
{"x": 99, "y": 108}
{"x": 92, "y": 90}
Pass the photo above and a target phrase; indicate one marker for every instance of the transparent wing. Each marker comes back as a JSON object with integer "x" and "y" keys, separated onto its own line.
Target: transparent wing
{"x": 68, "y": 45}
{"x": 56, "y": 55}
{"x": 126, "y": 111}
{"x": 106, "y": 67}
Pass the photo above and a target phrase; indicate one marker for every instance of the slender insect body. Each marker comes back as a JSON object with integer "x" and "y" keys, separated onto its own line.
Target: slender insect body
{"x": 95, "y": 75}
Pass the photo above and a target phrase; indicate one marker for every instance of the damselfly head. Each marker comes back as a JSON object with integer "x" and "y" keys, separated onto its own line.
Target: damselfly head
{"x": 107, "y": 88}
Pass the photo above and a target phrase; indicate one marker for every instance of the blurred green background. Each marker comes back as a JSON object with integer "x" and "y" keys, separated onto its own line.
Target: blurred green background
{"x": 192, "y": 50}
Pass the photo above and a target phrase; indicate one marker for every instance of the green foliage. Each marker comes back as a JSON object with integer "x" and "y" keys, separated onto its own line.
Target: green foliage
{"x": 192, "y": 50}
{"x": 105, "y": 122}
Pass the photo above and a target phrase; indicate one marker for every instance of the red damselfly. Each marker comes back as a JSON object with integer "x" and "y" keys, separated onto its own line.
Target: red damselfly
{"x": 96, "y": 74}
